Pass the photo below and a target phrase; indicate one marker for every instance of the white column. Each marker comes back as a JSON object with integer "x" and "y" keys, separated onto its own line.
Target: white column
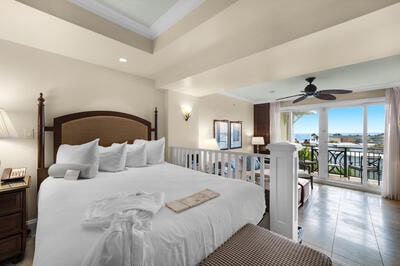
{"x": 323, "y": 144}
{"x": 283, "y": 188}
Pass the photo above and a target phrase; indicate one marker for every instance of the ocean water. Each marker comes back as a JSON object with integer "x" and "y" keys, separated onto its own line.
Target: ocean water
{"x": 303, "y": 136}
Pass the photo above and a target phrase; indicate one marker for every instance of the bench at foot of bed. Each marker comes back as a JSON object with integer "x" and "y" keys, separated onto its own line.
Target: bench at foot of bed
{"x": 253, "y": 245}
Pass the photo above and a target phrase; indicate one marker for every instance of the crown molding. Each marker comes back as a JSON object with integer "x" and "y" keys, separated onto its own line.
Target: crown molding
{"x": 180, "y": 9}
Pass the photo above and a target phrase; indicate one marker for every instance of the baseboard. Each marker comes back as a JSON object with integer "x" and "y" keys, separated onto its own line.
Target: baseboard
{"x": 342, "y": 184}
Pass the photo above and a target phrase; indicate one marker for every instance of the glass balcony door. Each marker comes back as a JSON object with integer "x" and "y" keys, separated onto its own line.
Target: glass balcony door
{"x": 340, "y": 144}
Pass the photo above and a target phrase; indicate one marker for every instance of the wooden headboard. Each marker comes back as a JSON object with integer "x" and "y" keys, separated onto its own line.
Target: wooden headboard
{"x": 78, "y": 128}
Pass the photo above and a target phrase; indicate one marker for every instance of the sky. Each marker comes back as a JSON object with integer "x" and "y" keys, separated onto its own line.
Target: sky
{"x": 345, "y": 120}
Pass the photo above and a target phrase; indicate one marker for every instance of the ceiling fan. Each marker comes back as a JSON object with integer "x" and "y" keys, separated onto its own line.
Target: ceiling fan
{"x": 311, "y": 90}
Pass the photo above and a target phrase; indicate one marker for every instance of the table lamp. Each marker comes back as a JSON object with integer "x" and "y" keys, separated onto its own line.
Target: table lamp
{"x": 7, "y": 130}
{"x": 210, "y": 144}
{"x": 257, "y": 141}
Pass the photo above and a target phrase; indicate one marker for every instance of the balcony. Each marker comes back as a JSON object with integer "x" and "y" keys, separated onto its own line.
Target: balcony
{"x": 346, "y": 163}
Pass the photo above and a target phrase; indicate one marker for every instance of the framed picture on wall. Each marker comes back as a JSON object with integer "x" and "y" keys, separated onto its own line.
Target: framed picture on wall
{"x": 221, "y": 133}
{"x": 235, "y": 134}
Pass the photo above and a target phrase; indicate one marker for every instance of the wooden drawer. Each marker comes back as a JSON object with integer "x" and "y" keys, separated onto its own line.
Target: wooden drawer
{"x": 10, "y": 224}
{"x": 10, "y": 246}
{"x": 10, "y": 202}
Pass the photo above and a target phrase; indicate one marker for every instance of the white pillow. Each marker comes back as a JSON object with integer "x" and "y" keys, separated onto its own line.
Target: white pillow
{"x": 59, "y": 170}
{"x": 154, "y": 150}
{"x": 136, "y": 155}
{"x": 84, "y": 154}
{"x": 113, "y": 158}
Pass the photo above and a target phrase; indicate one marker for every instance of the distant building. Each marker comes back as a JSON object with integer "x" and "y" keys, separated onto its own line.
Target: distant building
{"x": 349, "y": 139}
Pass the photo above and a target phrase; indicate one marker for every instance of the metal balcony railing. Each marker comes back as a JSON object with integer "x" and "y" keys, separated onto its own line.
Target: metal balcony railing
{"x": 345, "y": 161}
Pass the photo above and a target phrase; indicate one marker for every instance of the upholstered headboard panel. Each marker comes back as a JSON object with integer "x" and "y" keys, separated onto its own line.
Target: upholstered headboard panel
{"x": 109, "y": 127}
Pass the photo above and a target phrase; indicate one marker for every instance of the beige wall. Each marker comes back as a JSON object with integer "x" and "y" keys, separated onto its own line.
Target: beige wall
{"x": 218, "y": 106}
{"x": 199, "y": 127}
{"x": 68, "y": 86}
{"x": 180, "y": 132}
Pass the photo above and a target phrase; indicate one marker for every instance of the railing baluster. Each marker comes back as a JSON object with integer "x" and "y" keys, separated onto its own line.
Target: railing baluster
{"x": 236, "y": 173}
{"x": 229, "y": 168}
{"x": 262, "y": 167}
{"x": 244, "y": 167}
{"x": 179, "y": 160}
{"x": 252, "y": 174}
{"x": 223, "y": 161}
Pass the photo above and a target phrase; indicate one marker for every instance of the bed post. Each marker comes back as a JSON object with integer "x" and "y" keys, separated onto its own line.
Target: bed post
{"x": 40, "y": 157}
{"x": 41, "y": 170}
{"x": 155, "y": 123}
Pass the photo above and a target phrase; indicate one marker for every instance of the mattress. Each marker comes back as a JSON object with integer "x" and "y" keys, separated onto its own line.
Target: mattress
{"x": 175, "y": 239}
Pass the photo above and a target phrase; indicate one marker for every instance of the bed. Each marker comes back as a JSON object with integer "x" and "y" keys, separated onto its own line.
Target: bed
{"x": 175, "y": 239}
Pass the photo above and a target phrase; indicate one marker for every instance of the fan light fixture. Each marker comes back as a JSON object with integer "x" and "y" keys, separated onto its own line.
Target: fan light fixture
{"x": 311, "y": 90}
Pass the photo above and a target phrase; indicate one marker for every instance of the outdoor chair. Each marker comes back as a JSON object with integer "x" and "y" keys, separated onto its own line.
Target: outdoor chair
{"x": 305, "y": 163}
{"x": 373, "y": 165}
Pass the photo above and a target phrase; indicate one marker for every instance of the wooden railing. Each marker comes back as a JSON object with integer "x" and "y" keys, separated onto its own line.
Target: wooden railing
{"x": 237, "y": 165}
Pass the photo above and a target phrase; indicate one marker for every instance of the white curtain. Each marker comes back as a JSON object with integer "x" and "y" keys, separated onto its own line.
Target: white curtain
{"x": 391, "y": 169}
{"x": 275, "y": 122}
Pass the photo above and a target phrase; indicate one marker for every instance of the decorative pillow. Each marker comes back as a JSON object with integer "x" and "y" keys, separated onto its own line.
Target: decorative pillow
{"x": 84, "y": 154}
{"x": 154, "y": 150}
{"x": 113, "y": 158}
{"x": 136, "y": 155}
{"x": 58, "y": 169}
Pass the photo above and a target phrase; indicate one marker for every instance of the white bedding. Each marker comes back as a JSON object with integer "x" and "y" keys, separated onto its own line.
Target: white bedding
{"x": 175, "y": 239}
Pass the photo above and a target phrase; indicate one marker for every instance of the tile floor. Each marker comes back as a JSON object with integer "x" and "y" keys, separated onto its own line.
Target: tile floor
{"x": 352, "y": 227}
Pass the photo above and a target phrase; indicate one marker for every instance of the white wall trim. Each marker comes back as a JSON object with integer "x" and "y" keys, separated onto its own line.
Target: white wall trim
{"x": 228, "y": 94}
{"x": 180, "y": 9}
{"x": 343, "y": 184}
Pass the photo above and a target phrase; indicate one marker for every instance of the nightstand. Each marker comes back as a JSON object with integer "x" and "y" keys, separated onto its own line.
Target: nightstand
{"x": 13, "y": 219}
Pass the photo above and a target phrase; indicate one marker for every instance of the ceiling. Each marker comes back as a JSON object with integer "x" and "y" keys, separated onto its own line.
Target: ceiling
{"x": 148, "y": 18}
{"x": 225, "y": 46}
{"x": 375, "y": 74}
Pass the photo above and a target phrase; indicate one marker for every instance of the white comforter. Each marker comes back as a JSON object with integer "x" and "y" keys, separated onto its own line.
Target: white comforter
{"x": 175, "y": 239}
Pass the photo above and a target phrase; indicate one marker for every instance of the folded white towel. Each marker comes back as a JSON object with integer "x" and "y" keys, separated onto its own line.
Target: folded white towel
{"x": 126, "y": 217}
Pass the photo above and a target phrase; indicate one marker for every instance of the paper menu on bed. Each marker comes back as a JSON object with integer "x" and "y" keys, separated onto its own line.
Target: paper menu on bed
{"x": 192, "y": 200}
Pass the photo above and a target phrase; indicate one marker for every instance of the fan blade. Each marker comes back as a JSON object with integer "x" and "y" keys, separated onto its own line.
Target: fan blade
{"x": 300, "y": 98}
{"x": 335, "y": 91}
{"x": 290, "y": 96}
{"x": 325, "y": 96}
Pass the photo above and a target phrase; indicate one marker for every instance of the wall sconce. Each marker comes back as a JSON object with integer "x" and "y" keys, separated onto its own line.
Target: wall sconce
{"x": 186, "y": 111}
{"x": 7, "y": 130}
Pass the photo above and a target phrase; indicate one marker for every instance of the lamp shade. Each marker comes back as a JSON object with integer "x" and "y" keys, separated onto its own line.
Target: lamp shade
{"x": 7, "y": 129}
{"x": 210, "y": 144}
{"x": 257, "y": 141}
